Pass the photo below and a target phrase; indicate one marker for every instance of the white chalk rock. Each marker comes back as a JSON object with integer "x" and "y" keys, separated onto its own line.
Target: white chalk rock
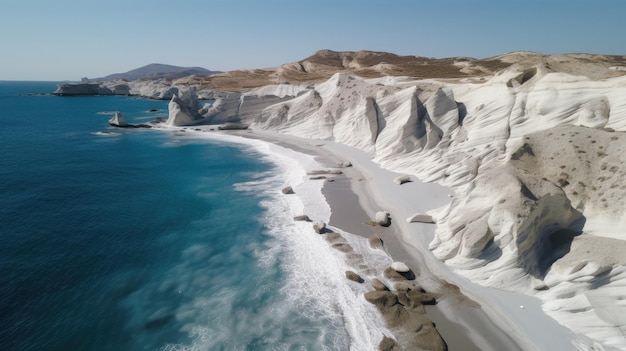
{"x": 402, "y": 179}
{"x": 383, "y": 219}
{"x": 118, "y": 120}
{"x": 420, "y": 217}
{"x": 400, "y": 267}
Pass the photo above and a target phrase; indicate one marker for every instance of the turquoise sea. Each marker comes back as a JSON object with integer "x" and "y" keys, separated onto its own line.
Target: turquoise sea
{"x": 135, "y": 239}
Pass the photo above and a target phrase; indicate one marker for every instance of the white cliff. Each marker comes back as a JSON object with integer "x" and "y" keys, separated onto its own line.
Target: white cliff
{"x": 536, "y": 158}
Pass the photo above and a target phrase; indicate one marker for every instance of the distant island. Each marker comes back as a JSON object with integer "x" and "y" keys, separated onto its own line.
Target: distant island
{"x": 122, "y": 83}
{"x": 157, "y": 71}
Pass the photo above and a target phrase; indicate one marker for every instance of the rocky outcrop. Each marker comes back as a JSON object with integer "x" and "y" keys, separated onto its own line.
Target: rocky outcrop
{"x": 118, "y": 120}
{"x": 183, "y": 109}
{"x": 319, "y": 227}
{"x": 73, "y": 89}
{"x": 375, "y": 241}
{"x": 420, "y": 217}
{"x": 383, "y": 218}
{"x": 353, "y": 276}
{"x": 405, "y": 311}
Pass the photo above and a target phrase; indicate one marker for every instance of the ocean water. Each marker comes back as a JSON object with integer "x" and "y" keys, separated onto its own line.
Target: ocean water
{"x": 115, "y": 239}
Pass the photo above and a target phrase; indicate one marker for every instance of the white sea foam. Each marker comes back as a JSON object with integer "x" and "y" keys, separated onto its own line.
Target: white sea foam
{"x": 316, "y": 286}
{"x": 105, "y": 133}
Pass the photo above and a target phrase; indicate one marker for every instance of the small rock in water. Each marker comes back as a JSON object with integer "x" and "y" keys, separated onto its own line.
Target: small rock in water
{"x": 354, "y": 277}
{"x": 287, "y": 190}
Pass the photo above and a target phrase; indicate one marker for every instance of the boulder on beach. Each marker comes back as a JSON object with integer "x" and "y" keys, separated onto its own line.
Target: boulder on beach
{"x": 375, "y": 241}
{"x": 343, "y": 247}
{"x": 354, "y": 277}
{"x": 381, "y": 299}
{"x": 420, "y": 297}
{"x": 383, "y": 219}
{"x": 232, "y": 126}
{"x": 402, "y": 179}
{"x": 426, "y": 337}
{"x": 414, "y": 307}
{"x": 400, "y": 267}
{"x": 392, "y": 274}
{"x": 388, "y": 344}
{"x": 378, "y": 285}
{"x": 302, "y": 218}
{"x": 421, "y": 217}
{"x": 406, "y": 286}
{"x": 335, "y": 238}
{"x": 287, "y": 190}
{"x": 396, "y": 315}
{"x": 319, "y": 227}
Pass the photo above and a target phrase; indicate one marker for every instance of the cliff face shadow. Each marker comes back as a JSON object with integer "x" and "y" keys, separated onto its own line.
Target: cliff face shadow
{"x": 551, "y": 248}
{"x": 462, "y": 112}
{"x": 490, "y": 253}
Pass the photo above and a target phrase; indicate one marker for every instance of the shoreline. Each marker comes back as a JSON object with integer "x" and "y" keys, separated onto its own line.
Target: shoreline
{"x": 463, "y": 324}
{"x": 487, "y": 318}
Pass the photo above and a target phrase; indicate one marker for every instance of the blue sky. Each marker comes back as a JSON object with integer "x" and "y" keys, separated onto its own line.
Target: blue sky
{"x": 70, "y": 39}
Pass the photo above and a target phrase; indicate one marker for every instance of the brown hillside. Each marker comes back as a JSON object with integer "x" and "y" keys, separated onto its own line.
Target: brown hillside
{"x": 369, "y": 64}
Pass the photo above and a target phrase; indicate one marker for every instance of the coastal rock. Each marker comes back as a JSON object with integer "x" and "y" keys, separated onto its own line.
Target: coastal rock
{"x": 233, "y": 126}
{"x": 319, "y": 227}
{"x": 419, "y": 297}
{"x": 392, "y": 274}
{"x": 406, "y": 286}
{"x": 381, "y": 299}
{"x": 420, "y": 217}
{"x": 375, "y": 241}
{"x": 383, "y": 219}
{"x": 400, "y": 267}
{"x": 350, "y": 275}
{"x": 118, "y": 120}
{"x": 183, "y": 109}
{"x": 345, "y": 164}
{"x": 388, "y": 344}
{"x": 426, "y": 337}
{"x": 287, "y": 190}
{"x": 74, "y": 89}
{"x": 302, "y": 218}
{"x": 335, "y": 238}
{"x": 413, "y": 307}
{"x": 395, "y": 315}
{"x": 402, "y": 179}
{"x": 378, "y": 285}
{"x": 343, "y": 247}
